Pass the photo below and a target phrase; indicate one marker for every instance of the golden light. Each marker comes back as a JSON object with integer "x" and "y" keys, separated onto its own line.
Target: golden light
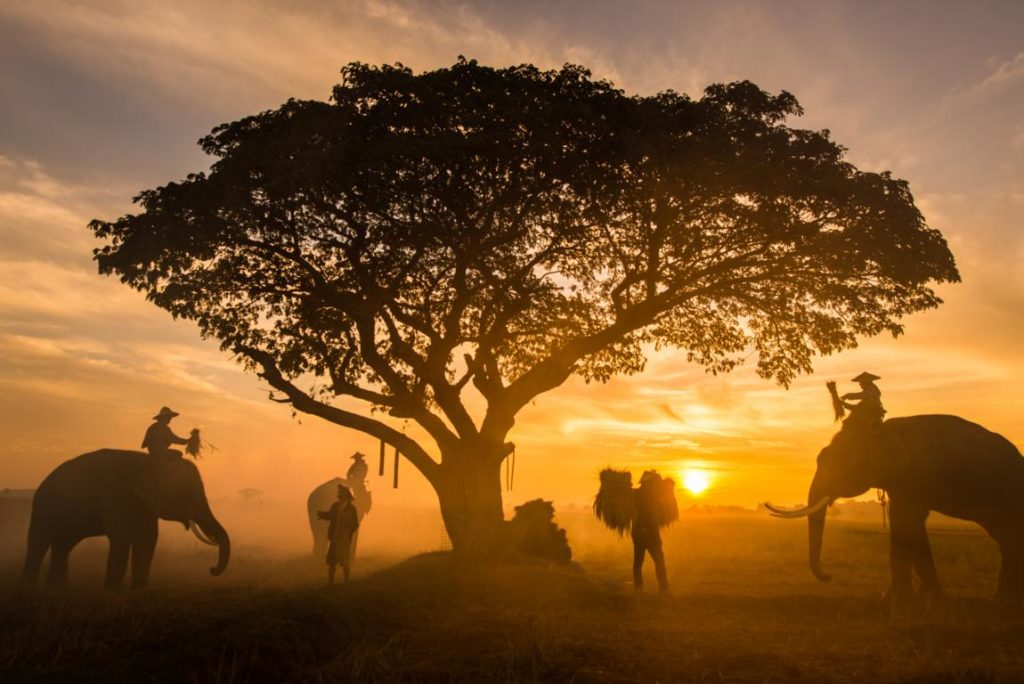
{"x": 696, "y": 481}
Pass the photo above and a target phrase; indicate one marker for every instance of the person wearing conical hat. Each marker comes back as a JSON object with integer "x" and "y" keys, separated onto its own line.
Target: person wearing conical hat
{"x": 867, "y": 412}
{"x": 358, "y": 470}
{"x": 159, "y": 437}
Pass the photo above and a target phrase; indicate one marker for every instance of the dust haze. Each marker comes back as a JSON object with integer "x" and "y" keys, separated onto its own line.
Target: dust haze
{"x": 711, "y": 548}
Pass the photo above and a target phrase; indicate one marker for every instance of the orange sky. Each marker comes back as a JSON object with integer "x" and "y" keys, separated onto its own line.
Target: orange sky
{"x": 102, "y": 99}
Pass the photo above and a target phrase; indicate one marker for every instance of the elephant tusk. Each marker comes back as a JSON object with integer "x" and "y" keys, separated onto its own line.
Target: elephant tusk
{"x": 802, "y": 512}
{"x": 201, "y": 536}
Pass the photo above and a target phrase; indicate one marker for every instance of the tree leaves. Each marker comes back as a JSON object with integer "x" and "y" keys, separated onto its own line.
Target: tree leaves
{"x": 535, "y": 223}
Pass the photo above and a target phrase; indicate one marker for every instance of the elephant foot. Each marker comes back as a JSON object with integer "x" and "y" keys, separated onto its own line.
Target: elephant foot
{"x": 1007, "y": 601}
{"x": 931, "y": 597}
{"x": 56, "y": 581}
{"x": 901, "y": 603}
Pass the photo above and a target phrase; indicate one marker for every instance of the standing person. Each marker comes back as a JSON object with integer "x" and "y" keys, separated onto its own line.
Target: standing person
{"x": 645, "y": 533}
{"x": 362, "y": 499}
{"x": 159, "y": 437}
{"x": 344, "y": 523}
{"x": 867, "y": 413}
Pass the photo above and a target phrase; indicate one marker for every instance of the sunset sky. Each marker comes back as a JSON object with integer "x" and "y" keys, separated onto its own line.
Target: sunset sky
{"x": 103, "y": 99}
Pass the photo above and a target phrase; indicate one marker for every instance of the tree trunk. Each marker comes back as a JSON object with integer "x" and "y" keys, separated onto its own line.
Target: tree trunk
{"x": 469, "y": 492}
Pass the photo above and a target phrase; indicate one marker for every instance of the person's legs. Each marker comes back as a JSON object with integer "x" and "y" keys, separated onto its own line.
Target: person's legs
{"x": 658, "y": 555}
{"x": 638, "y": 565}
{"x": 332, "y": 562}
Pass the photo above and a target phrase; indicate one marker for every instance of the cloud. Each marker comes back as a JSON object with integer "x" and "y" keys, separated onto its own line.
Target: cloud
{"x": 107, "y": 97}
{"x": 1002, "y": 74}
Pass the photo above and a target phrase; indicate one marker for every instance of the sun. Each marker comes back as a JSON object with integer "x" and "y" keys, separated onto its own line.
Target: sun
{"x": 695, "y": 481}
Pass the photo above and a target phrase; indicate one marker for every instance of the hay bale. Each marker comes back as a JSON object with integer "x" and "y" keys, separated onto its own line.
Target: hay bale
{"x": 615, "y": 504}
{"x": 657, "y": 496}
{"x": 533, "y": 531}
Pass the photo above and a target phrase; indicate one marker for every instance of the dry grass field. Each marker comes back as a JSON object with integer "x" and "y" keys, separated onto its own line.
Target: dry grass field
{"x": 744, "y": 608}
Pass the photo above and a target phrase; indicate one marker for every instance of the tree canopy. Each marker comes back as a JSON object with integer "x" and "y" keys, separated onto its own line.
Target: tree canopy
{"x": 512, "y": 227}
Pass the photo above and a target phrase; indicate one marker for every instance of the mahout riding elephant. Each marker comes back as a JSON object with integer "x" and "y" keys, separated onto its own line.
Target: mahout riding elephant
{"x": 321, "y": 498}
{"x": 120, "y": 495}
{"x": 925, "y": 463}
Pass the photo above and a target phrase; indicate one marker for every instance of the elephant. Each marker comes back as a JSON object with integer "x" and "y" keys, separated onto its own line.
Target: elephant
{"x": 321, "y": 498}
{"x": 120, "y": 495}
{"x": 925, "y": 463}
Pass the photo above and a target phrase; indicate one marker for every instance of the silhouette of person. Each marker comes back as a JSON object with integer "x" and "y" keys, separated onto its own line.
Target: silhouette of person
{"x": 159, "y": 437}
{"x": 358, "y": 470}
{"x": 344, "y": 523}
{"x": 645, "y": 534}
{"x": 867, "y": 412}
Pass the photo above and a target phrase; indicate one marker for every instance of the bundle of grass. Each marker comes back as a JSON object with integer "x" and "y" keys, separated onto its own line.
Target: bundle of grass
{"x": 195, "y": 445}
{"x": 533, "y": 531}
{"x": 657, "y": 496}
{"x": 615, "y": 504}
{"x": 837, "y": 403}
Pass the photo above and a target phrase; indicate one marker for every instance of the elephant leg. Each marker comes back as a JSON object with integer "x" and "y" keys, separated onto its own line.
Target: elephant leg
{"x": 143, "y": 548}
{"x": 117, "y": 562}
{"x": 319, "y": 549}
{"x": 1011, "y": 570}
{"x": 57, "y": 575}
{"x": 352, "y": 548}
{"x": 924, "y": 563}
{"x": 905, "y": 532}
{"x": 34, "y": 554}
{"x": 1003, "y": 588}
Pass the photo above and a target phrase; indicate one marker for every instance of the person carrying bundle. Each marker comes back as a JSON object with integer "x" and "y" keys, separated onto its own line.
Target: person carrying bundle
{"x": 643, "y": 511}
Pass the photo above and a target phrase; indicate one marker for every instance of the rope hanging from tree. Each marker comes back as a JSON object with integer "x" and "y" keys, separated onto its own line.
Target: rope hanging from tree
{"x": 398, "y": 456}
{"x": 883, "y": 499}
{"x": 380, "y": 472}
{"x": 510, "y": 469}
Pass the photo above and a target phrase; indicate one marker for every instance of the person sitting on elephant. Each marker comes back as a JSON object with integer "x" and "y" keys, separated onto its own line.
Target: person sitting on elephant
{"x": 358, "y": 471}
{"x": 159, "y": 437}
{"x": 344, "y": 523}
{"x": 867, "y": 413}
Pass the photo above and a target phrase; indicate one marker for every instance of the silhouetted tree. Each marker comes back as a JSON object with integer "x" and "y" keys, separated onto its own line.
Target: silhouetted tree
{"x": 510, "y": 228}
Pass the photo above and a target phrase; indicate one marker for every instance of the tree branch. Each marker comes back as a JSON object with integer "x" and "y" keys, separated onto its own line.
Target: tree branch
{"x": 305, "y": 403}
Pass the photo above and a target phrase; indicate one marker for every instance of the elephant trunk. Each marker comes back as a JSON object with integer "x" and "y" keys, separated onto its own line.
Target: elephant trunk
{"x": 217, "y": 534}
{"x": 816, "y": 530}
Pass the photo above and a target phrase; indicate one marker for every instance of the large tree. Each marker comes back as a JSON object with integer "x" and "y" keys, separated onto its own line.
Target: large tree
{"x": 508, "y": 228}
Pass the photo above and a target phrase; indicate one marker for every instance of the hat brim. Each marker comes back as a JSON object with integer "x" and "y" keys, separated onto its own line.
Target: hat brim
{"x": 172, "y": 414}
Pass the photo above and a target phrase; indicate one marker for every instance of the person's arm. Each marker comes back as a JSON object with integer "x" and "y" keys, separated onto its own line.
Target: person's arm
{"x": 854, "y": 395}
{"x": 145, "y": 440}
{"x": 175, "y": 439}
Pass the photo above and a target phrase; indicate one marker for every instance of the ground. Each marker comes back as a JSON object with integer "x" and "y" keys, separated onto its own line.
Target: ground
{"x": 744, "y": 608}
